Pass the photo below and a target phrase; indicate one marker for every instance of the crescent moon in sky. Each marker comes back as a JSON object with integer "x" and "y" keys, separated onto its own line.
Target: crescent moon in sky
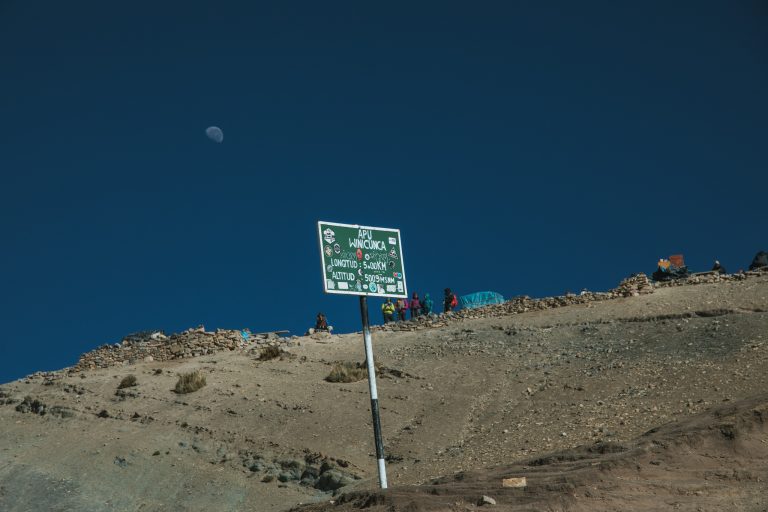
{"x": 215, "y": 134}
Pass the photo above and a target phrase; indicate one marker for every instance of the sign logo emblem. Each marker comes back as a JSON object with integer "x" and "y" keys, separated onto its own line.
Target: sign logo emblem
{"x": 359, "y": 254}
{"x": 328, "y": 250}
{"x": 336, "y": 248}
{"x": 393, "y": 253}
{"x": 329, "y": 236}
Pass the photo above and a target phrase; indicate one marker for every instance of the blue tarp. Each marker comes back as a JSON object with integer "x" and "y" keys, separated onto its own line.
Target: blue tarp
{"x": 478, "y": 299}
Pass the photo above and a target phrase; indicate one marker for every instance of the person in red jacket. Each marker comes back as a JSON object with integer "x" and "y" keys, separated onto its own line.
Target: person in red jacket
{"x": 449, "y": 300}
{"x": 415, "y": 306}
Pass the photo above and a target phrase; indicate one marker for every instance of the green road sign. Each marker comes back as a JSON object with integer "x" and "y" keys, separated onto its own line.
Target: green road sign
{"x": 361, "y": 260}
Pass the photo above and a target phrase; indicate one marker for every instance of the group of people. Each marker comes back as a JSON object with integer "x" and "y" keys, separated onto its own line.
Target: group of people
{"x": 398, "y": 310}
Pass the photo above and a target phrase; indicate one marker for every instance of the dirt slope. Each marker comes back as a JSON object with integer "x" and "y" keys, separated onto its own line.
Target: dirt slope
{"x": 268, "y": 435}
{"x": 716, "y": 460}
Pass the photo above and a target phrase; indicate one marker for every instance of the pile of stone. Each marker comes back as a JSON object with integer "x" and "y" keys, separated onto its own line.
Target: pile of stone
{"x": 159, "y": 347}
{"x": 635, "y": 285}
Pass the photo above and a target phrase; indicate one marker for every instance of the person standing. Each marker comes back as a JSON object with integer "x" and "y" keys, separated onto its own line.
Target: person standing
{"x": 401, "y": 307}
{"x": 388, "y": 310}
{"x": 449, "y": 301}
{"x": 426, "y": 305}
{"x": 415, "y": 305}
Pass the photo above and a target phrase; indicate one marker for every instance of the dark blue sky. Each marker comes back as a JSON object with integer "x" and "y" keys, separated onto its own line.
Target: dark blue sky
{"x": 522, "y": 147}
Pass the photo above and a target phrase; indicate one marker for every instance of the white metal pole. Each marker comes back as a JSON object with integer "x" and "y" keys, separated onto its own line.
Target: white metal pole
{"x": 374, "y": 392}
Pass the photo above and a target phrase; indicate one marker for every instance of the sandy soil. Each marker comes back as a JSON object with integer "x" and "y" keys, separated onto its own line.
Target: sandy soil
{"x": 481, "y": 397}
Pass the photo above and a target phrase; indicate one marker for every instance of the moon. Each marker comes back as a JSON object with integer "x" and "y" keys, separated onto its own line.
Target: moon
{"x": 215, "y": 134}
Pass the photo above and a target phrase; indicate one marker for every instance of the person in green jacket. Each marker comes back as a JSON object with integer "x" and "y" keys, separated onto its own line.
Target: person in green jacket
{"x": 388, "y": 310}
{"x": 426, "y": 305}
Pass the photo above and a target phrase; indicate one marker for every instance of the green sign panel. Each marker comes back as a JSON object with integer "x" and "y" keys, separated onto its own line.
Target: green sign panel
{"x": 361, "y": 260}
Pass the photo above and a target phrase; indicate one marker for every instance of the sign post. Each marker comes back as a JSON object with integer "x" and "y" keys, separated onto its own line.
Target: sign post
{"x": 364, "y": 261}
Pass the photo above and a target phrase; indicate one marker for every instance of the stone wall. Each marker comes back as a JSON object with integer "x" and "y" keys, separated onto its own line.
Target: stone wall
{"x": 159, "y": 347}
{"x": 711, "y": 277}
{"x": 635, "y": 285}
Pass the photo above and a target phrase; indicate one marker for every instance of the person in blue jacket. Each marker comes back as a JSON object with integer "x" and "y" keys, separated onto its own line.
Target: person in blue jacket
{"x": 426, "y": 305}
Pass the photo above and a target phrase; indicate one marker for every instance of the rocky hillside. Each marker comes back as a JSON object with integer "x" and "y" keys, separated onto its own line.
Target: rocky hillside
{"x": 485, "y": 394}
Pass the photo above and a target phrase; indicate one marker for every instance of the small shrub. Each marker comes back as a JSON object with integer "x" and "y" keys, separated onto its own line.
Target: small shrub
{"x": 127, "y": 382}
{"x": 270, "y": 352}
{"x": 190, "y": 382}
{"x": 347, "y": 372}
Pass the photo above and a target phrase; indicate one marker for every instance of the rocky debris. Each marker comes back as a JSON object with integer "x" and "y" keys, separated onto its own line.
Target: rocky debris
{"x": 123, "y": 394}
{"x": 319, "y": 335}
{"x": 316, "y": 471}
{"x": 710, "y": 277}
{"x": 486, "y": 500}
{"x": 332, "y": 480}
{"x": 514, "y": 482}
{"x": 191, "y": 343}
{"x": 72, "y": 388}
{"x": 48, "y": 378}
{"x": 32, "y": 405}
{"x": 36, "y": 406}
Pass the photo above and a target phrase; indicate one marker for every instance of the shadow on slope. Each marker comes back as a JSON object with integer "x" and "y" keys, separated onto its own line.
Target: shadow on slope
{"x": 714, "y": 461}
